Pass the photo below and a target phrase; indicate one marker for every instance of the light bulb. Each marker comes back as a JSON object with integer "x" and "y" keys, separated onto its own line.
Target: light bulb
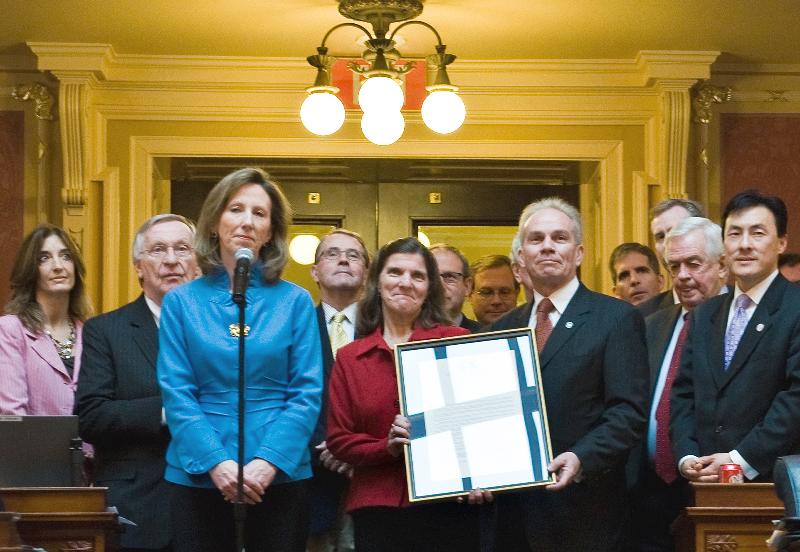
{"x": 322, "y": 113}
{"x": 380, "y": 94}
{"x": 302, "y": 248}
{"x": 443, "y": 111}
{"x": 383, "y": 127}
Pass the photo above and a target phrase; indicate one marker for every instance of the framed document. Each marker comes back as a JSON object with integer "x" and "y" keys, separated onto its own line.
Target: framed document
{"x": 478, "y": 418}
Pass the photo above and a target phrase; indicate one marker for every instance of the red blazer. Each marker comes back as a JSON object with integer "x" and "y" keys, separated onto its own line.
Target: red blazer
{"x": 33, "y": 379}
{"x": 363, "y": 402}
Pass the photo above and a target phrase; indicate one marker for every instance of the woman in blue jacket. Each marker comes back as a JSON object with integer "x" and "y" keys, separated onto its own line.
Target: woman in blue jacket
{"x": 197, "y": 370}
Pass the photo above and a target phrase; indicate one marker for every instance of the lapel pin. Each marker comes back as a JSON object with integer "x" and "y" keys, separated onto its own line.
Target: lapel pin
{"x": 568, "y": 325}
{"x": 760, "y": 328}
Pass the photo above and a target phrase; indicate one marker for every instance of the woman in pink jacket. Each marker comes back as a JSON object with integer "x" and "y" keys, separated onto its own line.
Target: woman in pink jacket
{"x": 40, "y": 335}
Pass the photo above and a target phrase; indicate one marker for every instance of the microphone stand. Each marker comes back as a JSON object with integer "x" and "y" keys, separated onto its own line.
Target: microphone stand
{"x": 240, "y": 508}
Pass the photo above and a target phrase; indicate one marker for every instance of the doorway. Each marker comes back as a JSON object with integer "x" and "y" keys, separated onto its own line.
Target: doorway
{"x": 473, "y": 204}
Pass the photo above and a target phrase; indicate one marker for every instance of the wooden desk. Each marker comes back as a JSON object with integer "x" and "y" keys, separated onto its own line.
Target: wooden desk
{"x": 728, "y": 517}
{"x": 9, "y": 539}
{"x": 63, "y": 519}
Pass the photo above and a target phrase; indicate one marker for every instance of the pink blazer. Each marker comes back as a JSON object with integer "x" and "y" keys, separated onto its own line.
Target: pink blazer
{"x": 33, "y": 380}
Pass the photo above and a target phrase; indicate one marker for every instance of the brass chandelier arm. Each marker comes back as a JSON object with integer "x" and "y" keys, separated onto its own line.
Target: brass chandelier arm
{"x": 346, "y": 24}
{"x": 415, "y": 22}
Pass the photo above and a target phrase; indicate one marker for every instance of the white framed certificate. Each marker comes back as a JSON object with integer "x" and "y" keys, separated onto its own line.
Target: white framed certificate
{"x": 477, "y": 411}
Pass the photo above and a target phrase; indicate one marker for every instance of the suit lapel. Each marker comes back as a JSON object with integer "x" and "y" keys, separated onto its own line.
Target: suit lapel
{"x": 44, "y": 347}
{"x": 660, "y": 340}
{"x": 758, "y": 325}
{"x": 145, "y": 331}
{"x": 715, "y": 345}
{"x": 327, "y": 354}
{"x": 568, "y": 325}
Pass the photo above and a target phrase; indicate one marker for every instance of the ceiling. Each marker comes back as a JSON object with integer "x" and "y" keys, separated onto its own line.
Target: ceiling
{"x": 746, "y": 31}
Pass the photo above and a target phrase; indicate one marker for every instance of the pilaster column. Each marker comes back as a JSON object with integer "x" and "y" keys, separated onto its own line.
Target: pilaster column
{"x": 72, "y": 103}
{"x": 675, "y": 125}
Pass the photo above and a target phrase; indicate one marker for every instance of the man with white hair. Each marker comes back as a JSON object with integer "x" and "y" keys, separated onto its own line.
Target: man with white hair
{"x": 118, "y": 401}
{"x": 694, "y": 255}
{"x": 594, "y": 375}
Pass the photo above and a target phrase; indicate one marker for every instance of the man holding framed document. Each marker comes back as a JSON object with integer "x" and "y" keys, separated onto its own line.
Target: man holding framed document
{"x": 593, "y": 361}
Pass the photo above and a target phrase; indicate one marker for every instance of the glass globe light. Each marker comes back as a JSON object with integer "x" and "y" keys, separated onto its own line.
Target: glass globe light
{"x": 383, "y": 127}
{"x": 302, "y": 248}
{"x": 322, "y": 112}
{"x": 380, "y": 94}
{"x": 443, "y": 111}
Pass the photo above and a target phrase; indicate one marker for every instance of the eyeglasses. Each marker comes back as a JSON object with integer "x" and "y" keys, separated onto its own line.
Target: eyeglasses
{"x": 333, "y": 254}
{"x": 160, "y": 250}
{"x": 692, "y": 267}
{"x": 505, "y": 293}
{"x": 451, "y": 277}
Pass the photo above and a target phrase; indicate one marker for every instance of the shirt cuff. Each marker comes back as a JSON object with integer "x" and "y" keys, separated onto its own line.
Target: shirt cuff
{"x": 684, "y": 459}
{"x": 748, "y": 470}
{"x": 163, "y": 416}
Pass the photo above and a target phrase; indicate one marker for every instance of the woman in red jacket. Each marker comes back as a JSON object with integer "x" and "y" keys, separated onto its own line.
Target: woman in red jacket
{"x": 403, "y": 302}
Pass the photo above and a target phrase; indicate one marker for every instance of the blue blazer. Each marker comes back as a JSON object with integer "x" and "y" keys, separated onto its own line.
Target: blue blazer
{"x": 197, "y": 371}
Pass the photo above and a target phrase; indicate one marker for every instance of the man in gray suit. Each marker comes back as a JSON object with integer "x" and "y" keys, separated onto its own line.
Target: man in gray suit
{"x": 118, "y": 400}
{"x": 694, "y": 256}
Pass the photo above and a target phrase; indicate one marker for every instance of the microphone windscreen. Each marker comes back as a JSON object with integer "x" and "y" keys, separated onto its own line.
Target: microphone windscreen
{"x": 244, "y": 253}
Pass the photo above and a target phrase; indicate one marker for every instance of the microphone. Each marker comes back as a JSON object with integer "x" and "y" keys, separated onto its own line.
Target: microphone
{"x": 241, "y": 274}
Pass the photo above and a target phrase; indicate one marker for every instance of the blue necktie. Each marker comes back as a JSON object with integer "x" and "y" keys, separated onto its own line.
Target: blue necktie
{"x": 736, "y": 328}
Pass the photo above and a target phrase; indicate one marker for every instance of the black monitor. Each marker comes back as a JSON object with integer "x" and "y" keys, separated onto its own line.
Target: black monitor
{"x": 39, "y": 451}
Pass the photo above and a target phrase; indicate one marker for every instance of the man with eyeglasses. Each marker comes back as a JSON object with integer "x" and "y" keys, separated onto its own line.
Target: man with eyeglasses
{"x": 454, "y": 271}
{"x": 340, "y": 270}
{"x": 694, "y": 255}
{"x": 118, "y": 399}
{"x": 495, "y": 289}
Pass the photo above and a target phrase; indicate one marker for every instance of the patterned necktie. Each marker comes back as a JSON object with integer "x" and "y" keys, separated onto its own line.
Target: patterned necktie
{"x": 544, "y": 327}
{"x": 665, "y": 464}
{"x": 338, "y": 335}
{"x": 736, "y": 328}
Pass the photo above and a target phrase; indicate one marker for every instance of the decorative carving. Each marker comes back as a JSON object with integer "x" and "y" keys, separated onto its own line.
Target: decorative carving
{"x": 72, "y": 98}
{"x": 705, "y": 96}
{"x": 675, "y": 111}
{"x": 721, "y": 543}
{"x": 42, "y": 99}
{"x": 777, "y": 96}
{"x": 390, "y": 10}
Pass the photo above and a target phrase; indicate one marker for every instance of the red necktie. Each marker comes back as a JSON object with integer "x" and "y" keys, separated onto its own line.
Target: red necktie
{"x": 543, "y": 325}
{"x": 664, "y": 459}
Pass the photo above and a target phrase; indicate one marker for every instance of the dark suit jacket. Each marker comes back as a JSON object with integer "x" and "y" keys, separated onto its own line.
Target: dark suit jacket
{"x": 754, "y": 406}
{"x": 119, "y": 407}
{"x": 594, "y": 377}
{"x": 663, "y": 300}
{"x": 327, "y": 488}
{"x": 470, "y": 324}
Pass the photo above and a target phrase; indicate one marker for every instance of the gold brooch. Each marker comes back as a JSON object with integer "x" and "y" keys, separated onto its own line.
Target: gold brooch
{"x": 234, "y": 329}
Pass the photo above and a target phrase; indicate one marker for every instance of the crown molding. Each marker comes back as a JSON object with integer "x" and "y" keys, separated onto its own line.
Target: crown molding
{"x": 646, "y": 69}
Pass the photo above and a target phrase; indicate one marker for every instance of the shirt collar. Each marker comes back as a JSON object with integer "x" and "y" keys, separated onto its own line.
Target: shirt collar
{"x": 349, "y": 312}
{"x": 756, "y": 293}
{"x": 155, "y": 310}
{"x": 560, "y": 297}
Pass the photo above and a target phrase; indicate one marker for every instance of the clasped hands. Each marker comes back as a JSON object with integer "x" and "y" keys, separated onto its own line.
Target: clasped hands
{"x": 706, "y": 468}
{"x": 566, "y": 466}
{"x": 258, "y": 475}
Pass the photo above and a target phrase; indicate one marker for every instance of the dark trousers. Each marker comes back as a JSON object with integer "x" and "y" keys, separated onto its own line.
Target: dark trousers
{"x": 440, "y": 527}
{"x": 585, "y": 516}
{"x": 204, "y": 521}
{"x": 654, "y": 507}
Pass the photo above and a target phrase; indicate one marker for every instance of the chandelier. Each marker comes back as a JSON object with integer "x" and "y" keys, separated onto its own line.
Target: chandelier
{"x": 381, "y": 95}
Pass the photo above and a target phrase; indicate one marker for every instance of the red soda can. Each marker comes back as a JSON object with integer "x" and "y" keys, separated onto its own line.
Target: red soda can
{"x": 731, "y": 473}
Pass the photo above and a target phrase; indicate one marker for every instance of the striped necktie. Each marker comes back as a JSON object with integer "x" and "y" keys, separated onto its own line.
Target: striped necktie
{"x": 337, "y": 334}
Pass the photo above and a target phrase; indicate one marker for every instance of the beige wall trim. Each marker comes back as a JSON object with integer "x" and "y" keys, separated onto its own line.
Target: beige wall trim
{"x": 72, "y": 102}
{"x": 609, "y": 154}
{"x": 676, "y": 121}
